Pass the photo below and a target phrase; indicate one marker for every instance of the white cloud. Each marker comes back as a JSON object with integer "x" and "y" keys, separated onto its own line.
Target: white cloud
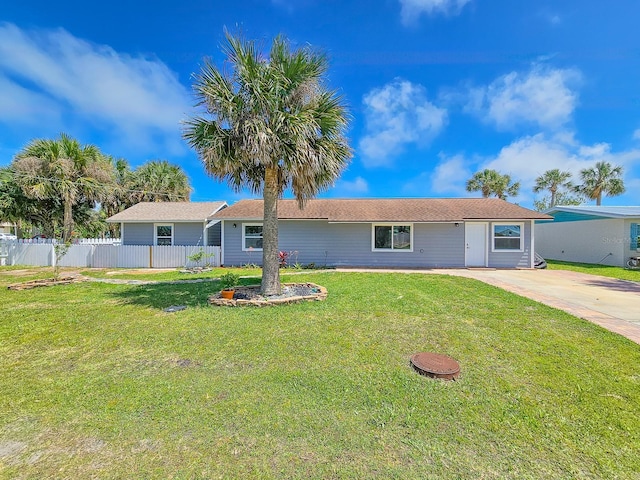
{"x": 133, "y": 99}
{"x": 525, "y": 159}
{"x": 447, "y": 179}
{"x": 396, "y": 115}
{"x": 358, "y": 186}
{"x": 411, "y": 10}
{"x": 542, "y": 97}
{"x": 528, "y": 157}
{"x": 555, "y": 19}
{"x": 21, "y": 106}
{"x": 596, "y": 151}
{"x": 450, "y": 176}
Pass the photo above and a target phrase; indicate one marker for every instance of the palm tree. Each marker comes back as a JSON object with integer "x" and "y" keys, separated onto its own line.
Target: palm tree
{"x": 119, "y": 196}
{"x": 270, "y": 125}
{"x": 490, "y": 182}
{"x": 159, "y": 181}
{"x": 553, "y": 180}
{"x": 65, "y": 170}
{"x": 603, "y": 179}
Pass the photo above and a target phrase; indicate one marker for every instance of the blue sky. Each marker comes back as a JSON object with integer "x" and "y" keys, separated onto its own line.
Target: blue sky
{"x": 438, "y": 89}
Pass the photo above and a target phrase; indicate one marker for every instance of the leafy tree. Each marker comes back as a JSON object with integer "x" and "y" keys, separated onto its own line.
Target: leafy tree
{"x": 554, "y": 181}
{"x": 63, "y": 169}
{"x": 154, "y": 181}
{"x": 269, "y": 124}
{"x": 562, "y": 198}
{"x": 26, "y": 212}
{"x": 120, "y": 196}
{"x": 603, "y": 179}
{"x": 490, "y": 182}
{"x": 159, "y": 181}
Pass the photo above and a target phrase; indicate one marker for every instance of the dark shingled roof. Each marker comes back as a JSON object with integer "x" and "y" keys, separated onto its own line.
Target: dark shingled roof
{"x": 387, "y": 210}
{"x": 168, "y": 212}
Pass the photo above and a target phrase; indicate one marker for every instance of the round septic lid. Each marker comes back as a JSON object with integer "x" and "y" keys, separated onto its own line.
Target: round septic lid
{"x": 435, "y": 365}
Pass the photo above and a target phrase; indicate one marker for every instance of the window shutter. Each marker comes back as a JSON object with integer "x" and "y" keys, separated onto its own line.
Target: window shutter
{"x": 633, "y": 244}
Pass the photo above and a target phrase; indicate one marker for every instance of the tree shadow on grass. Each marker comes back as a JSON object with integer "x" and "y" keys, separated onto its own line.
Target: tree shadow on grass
{"x": 163, "y": 295}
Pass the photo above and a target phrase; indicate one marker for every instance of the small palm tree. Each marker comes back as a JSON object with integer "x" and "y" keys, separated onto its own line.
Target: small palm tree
{"x": 63, "y": 169}
{"x": 269, "y": 125}
{"x": 603, "y": 179}
{"x": 490, "y": 182}
{"x": 553, "y": 181}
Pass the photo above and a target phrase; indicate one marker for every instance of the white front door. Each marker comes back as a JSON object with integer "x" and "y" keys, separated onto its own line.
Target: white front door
{"x": 475, "y": 239}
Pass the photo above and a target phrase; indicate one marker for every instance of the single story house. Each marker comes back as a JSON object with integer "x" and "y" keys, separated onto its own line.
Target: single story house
{"x": 418, "y": 233}
{"x": 590, "y": 234}
{"x": 169, "y": 223}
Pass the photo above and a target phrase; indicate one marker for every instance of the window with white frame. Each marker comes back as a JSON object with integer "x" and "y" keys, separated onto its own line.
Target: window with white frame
{"x": 392, "y": 238}
{"x": 163, "y": 234}
{"x": 252, "y": 236}
{"x": 507, "y": 237}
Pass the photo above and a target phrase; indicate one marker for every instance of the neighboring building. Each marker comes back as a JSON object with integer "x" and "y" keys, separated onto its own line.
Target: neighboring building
{"x": 413, "y": 233}
{"x": 8, "y": 228}
{"x": 590, "y": 234}
{"x": 169, "y": 223}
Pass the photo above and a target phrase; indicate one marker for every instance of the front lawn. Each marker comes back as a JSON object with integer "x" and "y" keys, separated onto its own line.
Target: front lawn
{"x": 593, "y": 269}
{"x": 98, "y": 382}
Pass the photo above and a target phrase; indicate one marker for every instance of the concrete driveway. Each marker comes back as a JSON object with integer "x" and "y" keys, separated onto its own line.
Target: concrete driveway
{"x": 610, "y": 303}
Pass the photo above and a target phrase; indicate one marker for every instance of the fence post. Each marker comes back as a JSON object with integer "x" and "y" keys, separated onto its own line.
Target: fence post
{"x": 150, "y": 256}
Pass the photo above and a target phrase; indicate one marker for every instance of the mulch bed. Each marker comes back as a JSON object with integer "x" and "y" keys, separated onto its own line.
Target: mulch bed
{"x": 291, "y": 293}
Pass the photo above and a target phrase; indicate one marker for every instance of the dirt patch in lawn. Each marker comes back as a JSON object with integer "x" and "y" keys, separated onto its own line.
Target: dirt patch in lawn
{"x": 139, "y": 271}
{"x": 47, "y": 282}
{"x": 291, "y": 293}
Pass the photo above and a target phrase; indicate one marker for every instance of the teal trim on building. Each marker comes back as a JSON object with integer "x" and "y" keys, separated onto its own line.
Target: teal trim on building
{"x": 559, "y": 217}
{"x": 633, "y": 243}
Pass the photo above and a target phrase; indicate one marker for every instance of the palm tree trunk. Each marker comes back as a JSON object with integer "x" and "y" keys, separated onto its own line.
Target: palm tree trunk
{"x": 270, "y": 265}
{"x": 67, "y": 227}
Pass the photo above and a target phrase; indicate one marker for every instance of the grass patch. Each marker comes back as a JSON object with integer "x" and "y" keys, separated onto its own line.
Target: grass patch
{"x": 98, "y": 382}
{"x": 166, "y": 275}
{"x": 593, "y": 269}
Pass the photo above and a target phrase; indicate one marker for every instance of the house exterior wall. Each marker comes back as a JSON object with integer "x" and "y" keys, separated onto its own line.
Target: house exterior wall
{"x": 188, "y": 234}
{"x": 213, "y": 235}
{"x": 435, "y": 245}
{"x": 602, "y": 241}
{"x": 183, "y": 233}
{"x": 9, "y": 228}
{"x": 507, "y": 259}
{"x": 137, "y": 234}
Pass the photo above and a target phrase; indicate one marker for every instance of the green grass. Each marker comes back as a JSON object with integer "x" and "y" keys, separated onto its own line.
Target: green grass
{"x": 593, "y": 269}
{"x": 166, "y": 275}
{"x": 98, "y": 382}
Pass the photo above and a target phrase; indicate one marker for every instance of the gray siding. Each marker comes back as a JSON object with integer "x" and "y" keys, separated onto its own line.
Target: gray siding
{"x": 339, "y": 244}
{"x": 188, "y": 233}
{"x": 137, "y": 234}
{"x": 511, "y": 259}
{"x": 183, "y": 234}
{"x": 213, "y": 235}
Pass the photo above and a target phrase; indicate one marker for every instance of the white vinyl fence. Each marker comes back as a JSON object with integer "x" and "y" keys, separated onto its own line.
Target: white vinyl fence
{"x": 105, "y": 256}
